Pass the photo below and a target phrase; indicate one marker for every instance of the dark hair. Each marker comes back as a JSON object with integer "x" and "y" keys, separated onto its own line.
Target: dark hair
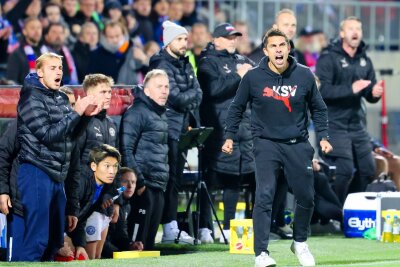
{"x": 99, "y": 153}
{"x": 273, "y": 32}
{"x": 125, "y": 170}
{"x": 53, "y": 24}
{"x": 49, "y": 4}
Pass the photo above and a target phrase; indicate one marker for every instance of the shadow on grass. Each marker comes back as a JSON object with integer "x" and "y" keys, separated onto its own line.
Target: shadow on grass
{"x": 176, "y": 249}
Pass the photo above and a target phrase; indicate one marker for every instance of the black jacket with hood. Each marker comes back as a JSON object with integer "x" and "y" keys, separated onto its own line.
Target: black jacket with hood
{"x": 279, "y": 103}
{"x": 337, "y": 71}
{"x": 219, "y": 81}
{"x": 46, "y": 127}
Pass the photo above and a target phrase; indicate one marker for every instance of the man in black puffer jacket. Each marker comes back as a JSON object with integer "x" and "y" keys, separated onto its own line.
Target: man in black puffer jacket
{"x": 347, "y": 75}
{"x": 46, "y": 130}
{"x": 144, "y": 148}
{"x": 183, "y": 102}
{"x": 220, "y": 71}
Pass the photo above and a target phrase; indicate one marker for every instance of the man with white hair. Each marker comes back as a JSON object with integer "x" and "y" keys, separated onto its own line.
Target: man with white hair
{"x": 183, "y": 101}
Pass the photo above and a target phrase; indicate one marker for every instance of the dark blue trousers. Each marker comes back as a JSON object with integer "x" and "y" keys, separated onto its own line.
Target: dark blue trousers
{"x": 39, "y": 234}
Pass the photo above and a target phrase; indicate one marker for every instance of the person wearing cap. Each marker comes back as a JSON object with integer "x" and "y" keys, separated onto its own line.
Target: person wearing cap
{"x": 220, "y": 71}
{"x": 182, "y": 109}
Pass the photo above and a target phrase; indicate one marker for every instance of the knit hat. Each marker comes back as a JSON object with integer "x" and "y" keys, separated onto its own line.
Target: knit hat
{"x": 171, "y": 31}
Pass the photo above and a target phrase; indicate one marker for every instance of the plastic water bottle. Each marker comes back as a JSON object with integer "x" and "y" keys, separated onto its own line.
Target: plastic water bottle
{"x": 387, "y": 235}
{"x": 396, "y": 229}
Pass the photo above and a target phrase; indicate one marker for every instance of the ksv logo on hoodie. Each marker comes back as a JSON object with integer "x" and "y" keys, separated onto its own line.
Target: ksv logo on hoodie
{"x": 281, "y": 93}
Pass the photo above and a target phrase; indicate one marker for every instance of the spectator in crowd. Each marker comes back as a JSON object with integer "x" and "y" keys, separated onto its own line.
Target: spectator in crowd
{"x": 99, "y": 6}
{"x": 199, "y": 36}
{"x": 6, "y": 32}
{"x": 347, "y": 75}
{"x": 285, "y": 21}
{"x": 142, "y": 10}
{"x": 116, "y": 56}
{"x": 190, "y": 16}
{"x": 151, "y": 48}
{"x": 46, "y": 128}
{"x": 51, "y": 13}
{"x": 183, "y": 102}
{"x": 280, "y": 140}
{"x": 220, "y": 71}
{"x": 21, "y": 10}
{"x": 54, "y": 37}
{"x": 160, "y": 9}
{"x": 118, "y": 238}
{"x": 22, "y": 60}
{"x": 244, "y": 46}
{"x": 88, "y": 40}
{"x": 144, "y": 148}
{"x": 175, "y": 11}
{"x": 88, "y": 12}
{"x": 69, "y": 10}
{"x": 113, "y": 12}
{"x": 103, "y": 162}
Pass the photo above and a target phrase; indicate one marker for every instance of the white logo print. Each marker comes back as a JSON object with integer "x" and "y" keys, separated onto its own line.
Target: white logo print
{"x": 96, "y": 128}
{"x": 227, "y": 70}
{"x": 111, "y": 131}
{"x": 363, "y": 62}
{"x": 344, "y": 63}
{"x": 285, "y": 90}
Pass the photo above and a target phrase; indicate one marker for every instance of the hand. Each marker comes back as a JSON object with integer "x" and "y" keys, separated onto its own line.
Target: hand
{"x": 325, "y": 146}
{"x": 106, "y": 203}
{"x": 138, "y": 245}
{"x": 72, "y": 222}
{"x": 140, "y": 191}
{"x": 360, "y": 85}
{"x": 384, "y": 152}
{"x": 377, "y": 90}
{"x": 315, "y": 165}
{"x": 228, "y": 146}
{"x": 115, "y": 215}
{"x": 65, "y": 251}
{"x": 139, "y": 55}
{"x": 81, "y": 251}
{"x": 5, "y": 203}
{"x": 243, "y": 69}
{"x": 88, "y": 105}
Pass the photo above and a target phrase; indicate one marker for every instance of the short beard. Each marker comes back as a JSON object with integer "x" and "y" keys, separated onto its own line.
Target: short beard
{"x": 178, "y": 53}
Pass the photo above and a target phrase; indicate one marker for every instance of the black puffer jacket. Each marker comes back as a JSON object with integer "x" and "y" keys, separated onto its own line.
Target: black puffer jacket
{"x": 337, "y": 71}
{"x": 144, "y": 141}
{"x": 185, "y": 94}
{"x": 45, "y": 126}
{"x": 9, "y": 148}
{"x": 101, "y": 129}
{"x": 219, "y": 82}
